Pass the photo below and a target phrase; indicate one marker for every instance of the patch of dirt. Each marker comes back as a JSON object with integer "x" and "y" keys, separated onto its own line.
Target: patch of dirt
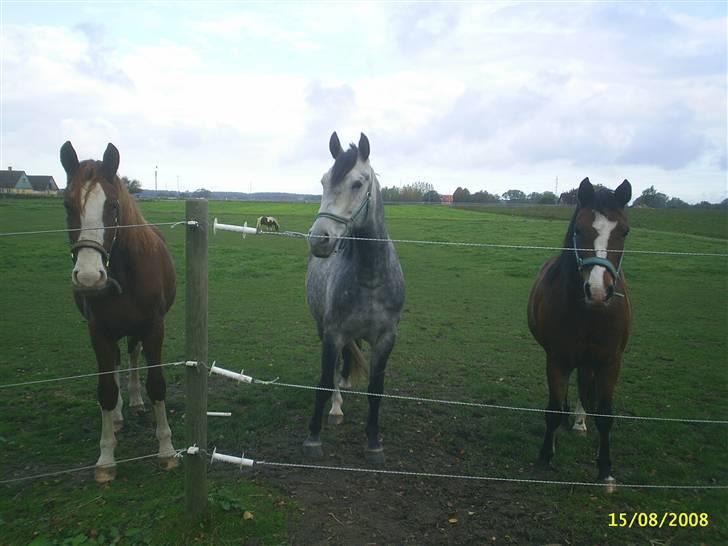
{"x": 347, "y": 508}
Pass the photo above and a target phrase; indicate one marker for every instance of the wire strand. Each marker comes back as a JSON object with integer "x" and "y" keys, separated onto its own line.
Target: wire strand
{"x": 8, "y": 385}
{"x": 495, "y": 406}
{"x": 299, "y": 235}
{"x": 482, "y": 478}
{"x": 42, "y": 231}
{"x": 80, "y": 469}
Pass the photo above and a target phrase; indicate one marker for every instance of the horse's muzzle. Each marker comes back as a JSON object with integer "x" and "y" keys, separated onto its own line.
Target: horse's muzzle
{"x": 321, "y": 244}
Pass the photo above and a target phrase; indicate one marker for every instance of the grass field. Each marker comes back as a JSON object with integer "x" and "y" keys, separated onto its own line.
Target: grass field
{"x": 463, "y": 336}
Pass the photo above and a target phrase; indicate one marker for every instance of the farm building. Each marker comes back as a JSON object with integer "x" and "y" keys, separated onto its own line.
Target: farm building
{"x": 12, "y": 181}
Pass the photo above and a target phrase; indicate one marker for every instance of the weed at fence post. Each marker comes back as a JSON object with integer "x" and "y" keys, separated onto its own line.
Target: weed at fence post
{"x": 196, "y": 350}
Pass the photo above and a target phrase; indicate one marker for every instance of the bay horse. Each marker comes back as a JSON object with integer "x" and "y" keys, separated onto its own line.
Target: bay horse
{"x": 123, "y": 284}
{"x": 579, "y": 312}
{"x": 354, "y": 289}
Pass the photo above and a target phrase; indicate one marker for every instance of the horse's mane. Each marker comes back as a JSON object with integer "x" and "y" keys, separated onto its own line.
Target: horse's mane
{"x": 343, "y": 164}
{"x": 142, "y": 240}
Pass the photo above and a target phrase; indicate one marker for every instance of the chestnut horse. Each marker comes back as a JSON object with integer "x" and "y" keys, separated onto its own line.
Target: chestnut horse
{"x": 579, "y": 312}
{"x": 124, "y": 284}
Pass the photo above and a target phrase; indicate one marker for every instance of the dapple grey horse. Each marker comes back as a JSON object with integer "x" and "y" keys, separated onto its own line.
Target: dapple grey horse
{"x": 354, "y": 288}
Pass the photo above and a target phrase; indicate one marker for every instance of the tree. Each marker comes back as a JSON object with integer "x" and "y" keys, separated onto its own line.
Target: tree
{"x": 483, "y": 196}
{"x": 133, "y": 186}
{"x": 514, "y": 196}
{"x": 461, "y": 195}
{"x": 568, "y": 197}
{"x": 390, "y": 195}
{"x": 432, "y": 197}
{"x": 676, "y": 203}
{"x": 651, "y": 198}
{"x": 547, "y": 198}
{"x": 202, "y": 193}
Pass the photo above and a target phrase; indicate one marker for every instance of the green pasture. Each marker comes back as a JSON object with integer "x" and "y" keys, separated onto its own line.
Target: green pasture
{"x": 463, "y": 336}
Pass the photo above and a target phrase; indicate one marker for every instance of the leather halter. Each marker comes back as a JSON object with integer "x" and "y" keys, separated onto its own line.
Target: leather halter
{"x": 93, "y": 245}
{"x": 349, "y": 222}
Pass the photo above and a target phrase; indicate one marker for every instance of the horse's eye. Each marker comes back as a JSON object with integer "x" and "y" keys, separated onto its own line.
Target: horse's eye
{"x": 356, "y": 185}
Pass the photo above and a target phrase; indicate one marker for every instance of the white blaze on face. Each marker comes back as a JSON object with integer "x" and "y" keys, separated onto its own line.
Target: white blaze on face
{"x": 89, "y": 269}
{"x": 604, "y": 229}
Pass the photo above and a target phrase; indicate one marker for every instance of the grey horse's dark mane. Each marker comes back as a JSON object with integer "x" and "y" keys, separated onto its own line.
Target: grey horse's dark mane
{"x": 343, "y": 164}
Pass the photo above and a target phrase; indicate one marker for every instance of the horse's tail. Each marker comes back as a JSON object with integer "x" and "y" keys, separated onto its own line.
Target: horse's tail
{"x": 355, "y": 362}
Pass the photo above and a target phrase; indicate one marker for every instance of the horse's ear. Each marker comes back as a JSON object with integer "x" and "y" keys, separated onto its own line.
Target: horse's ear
{"x": 69, "y": 159}
{"x": 335, "y": 145}
{"x": 110, "y": 163}
{"x": 585, "y": 193}
{"x": 363, "y": 147}
{"x": 623, "y": 193}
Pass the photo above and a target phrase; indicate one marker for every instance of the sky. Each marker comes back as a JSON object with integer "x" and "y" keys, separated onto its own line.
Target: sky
{"x": 492, "y": 96}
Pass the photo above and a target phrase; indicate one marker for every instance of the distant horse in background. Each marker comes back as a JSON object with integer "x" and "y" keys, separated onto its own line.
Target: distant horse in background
{"x": 354, "y": 288}
{"x": 579, "y": 312}
{"x": 124, "y": 284}
{"x": 268, "y": 222}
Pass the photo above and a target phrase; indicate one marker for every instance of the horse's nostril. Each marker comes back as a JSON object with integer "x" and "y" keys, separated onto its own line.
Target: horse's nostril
{"x": 610, "y": 291}
{"x": 587, "y": 291}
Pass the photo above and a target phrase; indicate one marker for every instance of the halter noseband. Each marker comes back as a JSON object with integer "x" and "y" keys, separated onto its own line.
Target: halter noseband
{"x": 349, "y": 222}
{"x": 581, "y": 263}
{"x": 93, "y": 245}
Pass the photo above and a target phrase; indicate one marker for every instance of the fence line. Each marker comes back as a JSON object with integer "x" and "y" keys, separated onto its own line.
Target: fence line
{"x": 300, "y": 235}
{"x": 80, "y": 469}
{"x": 482, "y": 478}
{"x": 43, "y": 231}
{"x": 8, "y": 385}
{"x": 247, "y": 379}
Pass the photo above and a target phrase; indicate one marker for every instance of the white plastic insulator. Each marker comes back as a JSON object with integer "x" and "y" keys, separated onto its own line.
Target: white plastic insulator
{"x": 244, "y": 229}
{"x": 232, "y": 375}
{"x": 219, "y": 414}
{"x": 194, "y": 450}
{"x": 240, "y": 461}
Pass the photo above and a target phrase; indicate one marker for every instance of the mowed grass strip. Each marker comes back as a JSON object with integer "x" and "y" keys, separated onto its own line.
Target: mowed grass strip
{"x": 463, "y": 336}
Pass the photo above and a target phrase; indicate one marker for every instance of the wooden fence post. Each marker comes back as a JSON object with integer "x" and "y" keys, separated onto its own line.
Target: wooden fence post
{"x": 196, "y": 350}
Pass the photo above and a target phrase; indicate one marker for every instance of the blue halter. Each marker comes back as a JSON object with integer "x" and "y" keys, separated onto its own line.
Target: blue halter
{"x": 586, "y": 262}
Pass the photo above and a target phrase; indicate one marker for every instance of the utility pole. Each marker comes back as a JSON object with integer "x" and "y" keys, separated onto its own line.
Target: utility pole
{"x": 155, "y": 178}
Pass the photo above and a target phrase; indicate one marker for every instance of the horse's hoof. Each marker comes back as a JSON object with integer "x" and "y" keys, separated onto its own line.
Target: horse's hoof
{"x": 544, "y": 464}
{"x": 137, "y": 410}
{"x": 610, "y": 485}
{"x": 335, "y": 419}
{"x": 579, "y": 428}
{"x": 168, "y": 463}
{"x": 105, "y": 474}
{"x": 375, "y": 456}
{"x": 118, "y": 426}
{"x": 313, "y": 449}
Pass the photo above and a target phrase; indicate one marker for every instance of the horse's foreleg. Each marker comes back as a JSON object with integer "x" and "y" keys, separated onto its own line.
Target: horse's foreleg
{"x": 380, "y": 354}
{"x": 606, "y": 379}
{"x": 136, "y": 402}
{"x": 557, "y": 379}
{"x": 108, "y": 395}
{"x": 157, "y": 390}
{"x": 329, "y": 355}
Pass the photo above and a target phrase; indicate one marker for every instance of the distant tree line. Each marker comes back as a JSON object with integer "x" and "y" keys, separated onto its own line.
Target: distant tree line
{"x": 134, "y": 186}
{"x": 417, "y": 192}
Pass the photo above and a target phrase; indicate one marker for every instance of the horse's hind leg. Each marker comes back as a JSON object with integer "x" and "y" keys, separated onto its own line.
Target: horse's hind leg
{"x": 380, "y": 354}
{"x": 336, "y": 415}
{"x": 118, "y": 416}
{"x": 557, "y": 378}
{"x": 585, "y": 380}
{"x": 312, "y": 446}
{"x": 136, "y": 402}
{"x": 157, "y": 390}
